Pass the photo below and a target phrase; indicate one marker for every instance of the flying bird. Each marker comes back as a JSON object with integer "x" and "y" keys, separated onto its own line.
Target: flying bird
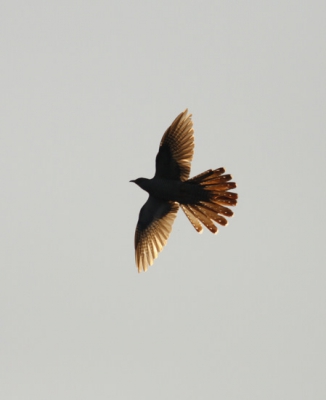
{"x": 203, "y": 198}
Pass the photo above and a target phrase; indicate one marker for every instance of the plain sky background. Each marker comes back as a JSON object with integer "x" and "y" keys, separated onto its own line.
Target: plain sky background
{"x": 87, "y": 91}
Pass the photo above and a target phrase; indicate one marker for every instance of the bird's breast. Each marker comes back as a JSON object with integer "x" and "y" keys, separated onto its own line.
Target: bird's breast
{"x": 175, "y": 190}
{"x": 165, "y": 189}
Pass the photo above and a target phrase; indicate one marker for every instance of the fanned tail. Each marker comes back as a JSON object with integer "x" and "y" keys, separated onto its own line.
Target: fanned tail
{"x": 214, "y": 186}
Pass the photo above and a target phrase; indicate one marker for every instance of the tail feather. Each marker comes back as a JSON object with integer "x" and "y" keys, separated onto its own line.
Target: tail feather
{"x": 229, "y": 195}
{"x": 203, "y": 217}
{"x": 192, "y": 218}
{"x": 225, "y": 201}
{"x": 218, "y": 209}
{"x": 220, "y": 187}
{"x": 218, "y": 180}
{"x": 216, "y": 196}
{"x": 207, "y": 175}
{"x": 215, "y": 216}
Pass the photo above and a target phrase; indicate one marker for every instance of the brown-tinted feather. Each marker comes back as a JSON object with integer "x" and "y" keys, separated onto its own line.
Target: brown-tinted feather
{"x": 212, "y": 208}
{"x": 179, "y": 139}
{"x": 192, "y": 218}
{"x": 203, "y": 217}
{"x": 218, "y": 180}
{"x": 215, "y": 216}
{"x": 151, "y": 236}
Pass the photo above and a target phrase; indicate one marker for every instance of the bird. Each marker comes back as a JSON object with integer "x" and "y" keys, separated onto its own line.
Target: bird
{"x": 204, "y": 198}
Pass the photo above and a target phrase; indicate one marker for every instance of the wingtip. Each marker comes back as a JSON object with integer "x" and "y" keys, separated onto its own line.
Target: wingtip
{"x": 186, "y": 114}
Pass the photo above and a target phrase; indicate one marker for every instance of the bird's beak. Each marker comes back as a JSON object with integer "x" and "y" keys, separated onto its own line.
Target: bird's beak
{"x": 132, "y": 180}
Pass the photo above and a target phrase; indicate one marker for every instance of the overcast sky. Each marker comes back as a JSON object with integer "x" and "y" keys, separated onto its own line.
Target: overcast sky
{"x": 87, "y": 91}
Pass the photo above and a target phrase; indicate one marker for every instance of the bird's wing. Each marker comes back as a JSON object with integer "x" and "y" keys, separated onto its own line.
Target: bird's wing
{"x": 153, "y": 229}
{"x": 173, "y": 160}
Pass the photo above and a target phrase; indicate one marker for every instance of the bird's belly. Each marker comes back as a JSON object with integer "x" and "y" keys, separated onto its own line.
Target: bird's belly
{"x": 181, "y": 192}
{"x": 164, "y": 189}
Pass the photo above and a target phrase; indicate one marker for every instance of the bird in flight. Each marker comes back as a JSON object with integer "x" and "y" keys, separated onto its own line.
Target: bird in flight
{"x": 203, "y": 198}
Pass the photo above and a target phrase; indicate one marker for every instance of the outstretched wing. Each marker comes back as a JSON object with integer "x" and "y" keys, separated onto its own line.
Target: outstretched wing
{"x": 173, "y": 160}
{"x": 153, "y": 229}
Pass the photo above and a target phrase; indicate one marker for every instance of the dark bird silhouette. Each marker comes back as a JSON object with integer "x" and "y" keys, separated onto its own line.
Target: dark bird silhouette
{"x": 203, "y": 198}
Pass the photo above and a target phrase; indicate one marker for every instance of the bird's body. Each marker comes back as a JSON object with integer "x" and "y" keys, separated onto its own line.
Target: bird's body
{"x": 172, "y": 190}
{"x": 202, "y": 198}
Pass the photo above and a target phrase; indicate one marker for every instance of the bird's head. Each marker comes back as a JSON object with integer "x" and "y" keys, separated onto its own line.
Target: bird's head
{"x": 138, "y": 181}
{"x": 141, "y": 182}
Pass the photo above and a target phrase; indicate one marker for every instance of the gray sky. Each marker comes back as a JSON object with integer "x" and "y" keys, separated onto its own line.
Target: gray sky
{"x": 87, "y": 91}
